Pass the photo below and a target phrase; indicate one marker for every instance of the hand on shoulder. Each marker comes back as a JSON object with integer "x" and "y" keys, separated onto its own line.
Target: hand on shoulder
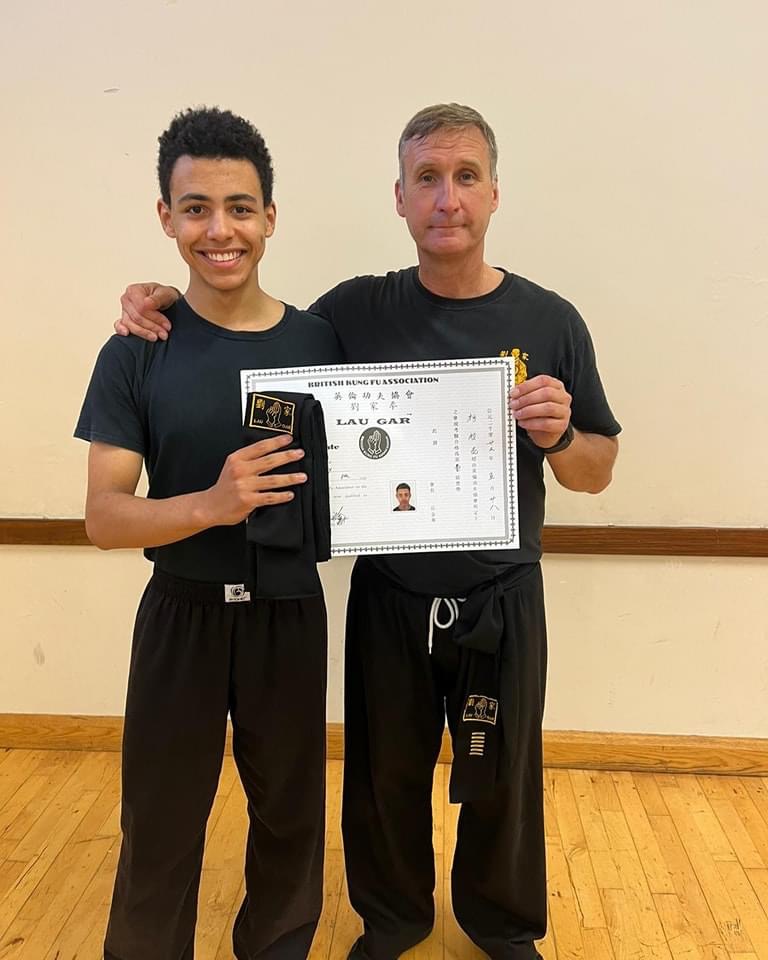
{"x": 141, "y": 305}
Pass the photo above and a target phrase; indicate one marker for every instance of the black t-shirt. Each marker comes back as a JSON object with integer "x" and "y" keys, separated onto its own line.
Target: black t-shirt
{"x": 395, "y": 318}
{"x": 177, "y": 403}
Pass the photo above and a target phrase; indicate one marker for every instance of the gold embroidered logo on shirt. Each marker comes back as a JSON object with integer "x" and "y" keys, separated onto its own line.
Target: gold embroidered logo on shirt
{"x": 270, "y": 413}
{"x": 480, "y": 708}
{"x": 521, "y": 370}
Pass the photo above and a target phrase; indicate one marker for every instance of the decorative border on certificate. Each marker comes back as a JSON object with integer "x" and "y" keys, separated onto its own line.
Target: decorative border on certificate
{"x": 372, "y": 408}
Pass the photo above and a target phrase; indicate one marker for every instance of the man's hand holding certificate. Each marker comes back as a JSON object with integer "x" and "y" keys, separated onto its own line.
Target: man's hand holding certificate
{"x": 421, "y": 456}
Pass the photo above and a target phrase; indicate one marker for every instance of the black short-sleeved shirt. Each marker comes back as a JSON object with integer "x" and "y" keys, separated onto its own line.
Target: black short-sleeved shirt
{"x": 177, "y": 403}
{"x": 395, "y": 318}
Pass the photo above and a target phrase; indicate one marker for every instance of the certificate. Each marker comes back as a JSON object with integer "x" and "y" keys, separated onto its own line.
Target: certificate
{"x": 421, "y": 455}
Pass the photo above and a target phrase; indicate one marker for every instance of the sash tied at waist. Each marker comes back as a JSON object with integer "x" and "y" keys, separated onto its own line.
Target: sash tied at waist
{"x": 478, "y": 631}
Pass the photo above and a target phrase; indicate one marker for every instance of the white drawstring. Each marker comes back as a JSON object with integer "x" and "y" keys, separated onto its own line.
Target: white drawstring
{"x": 434, "y": 620}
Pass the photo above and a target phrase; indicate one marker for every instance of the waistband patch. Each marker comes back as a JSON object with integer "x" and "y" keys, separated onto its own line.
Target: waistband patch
{"x": 236, "y": 593}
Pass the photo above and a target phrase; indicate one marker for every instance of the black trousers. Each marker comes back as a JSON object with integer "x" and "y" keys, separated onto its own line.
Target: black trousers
{"x": 194, "y": 659}
{"x": 397, "y": 696}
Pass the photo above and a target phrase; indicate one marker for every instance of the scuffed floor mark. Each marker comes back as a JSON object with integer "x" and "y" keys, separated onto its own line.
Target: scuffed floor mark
{"x": 39, "y": 655}
{"x": 112, "y": 90}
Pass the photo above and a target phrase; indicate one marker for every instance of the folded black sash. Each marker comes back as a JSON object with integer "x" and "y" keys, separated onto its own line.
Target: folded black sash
{"x": 287, "y": 540}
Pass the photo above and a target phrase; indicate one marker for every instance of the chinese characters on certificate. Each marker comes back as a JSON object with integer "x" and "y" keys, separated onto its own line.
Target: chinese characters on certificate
{"x": 422, "y": 456}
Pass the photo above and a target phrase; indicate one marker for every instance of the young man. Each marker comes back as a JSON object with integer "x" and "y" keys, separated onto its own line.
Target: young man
{"x": 202, "y": 646}
{"x": 399, "y": 686}
{"x": 403, "y": 494}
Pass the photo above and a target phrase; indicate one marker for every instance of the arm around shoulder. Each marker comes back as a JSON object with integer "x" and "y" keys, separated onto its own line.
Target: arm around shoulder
{"x": 141, "y": 304}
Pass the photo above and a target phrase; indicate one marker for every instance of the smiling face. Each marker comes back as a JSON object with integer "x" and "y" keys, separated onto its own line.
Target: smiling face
{"x": 446, "y": 192}
{"x": 219, "y": 220}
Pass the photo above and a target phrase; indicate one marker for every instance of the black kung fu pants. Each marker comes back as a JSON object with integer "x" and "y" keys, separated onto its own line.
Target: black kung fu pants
{"x": 194, "y": 658}
{"x": 396, "y": 698}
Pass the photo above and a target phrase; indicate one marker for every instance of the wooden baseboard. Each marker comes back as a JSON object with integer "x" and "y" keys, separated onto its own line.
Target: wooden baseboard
{"x": 562, "y": 748}
{"x": 48, "y": 731}
{"x": 656, "y": 753}
{"x": 574, "y": 539}
{"x": 45, "y": 731}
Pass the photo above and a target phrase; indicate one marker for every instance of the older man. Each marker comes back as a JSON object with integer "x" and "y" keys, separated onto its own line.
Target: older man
{"x": 460, "y": 635}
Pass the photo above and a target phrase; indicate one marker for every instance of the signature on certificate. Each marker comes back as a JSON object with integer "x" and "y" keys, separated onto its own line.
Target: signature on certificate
{"x": 338, "y": 517}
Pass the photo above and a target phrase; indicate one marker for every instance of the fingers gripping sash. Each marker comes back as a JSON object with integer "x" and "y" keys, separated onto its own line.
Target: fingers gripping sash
{"x": 287, "y": 540}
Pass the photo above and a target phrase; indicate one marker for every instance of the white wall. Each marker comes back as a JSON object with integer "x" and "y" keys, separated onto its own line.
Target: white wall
{"x": 642, "y": 645}
{"x": 68, "y": 622}
{"x": 633, "y": 155}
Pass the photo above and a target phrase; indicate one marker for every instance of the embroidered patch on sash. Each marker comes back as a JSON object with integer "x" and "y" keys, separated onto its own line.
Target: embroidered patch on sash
{"x": 477, "y": 744}
{"x": 236, "y": 593}
{"x": 480, "y": 708}
{"x": 269, "y": 413}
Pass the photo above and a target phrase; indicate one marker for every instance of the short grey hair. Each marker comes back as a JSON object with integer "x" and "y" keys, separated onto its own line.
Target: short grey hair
{"x": 447, "y": 116}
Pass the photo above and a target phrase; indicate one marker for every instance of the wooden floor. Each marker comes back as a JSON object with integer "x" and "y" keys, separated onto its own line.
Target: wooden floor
{"x": 641, "y": 866}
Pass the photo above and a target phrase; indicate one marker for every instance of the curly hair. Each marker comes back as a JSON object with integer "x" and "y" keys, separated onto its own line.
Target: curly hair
{"x": 210, "y": 132}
